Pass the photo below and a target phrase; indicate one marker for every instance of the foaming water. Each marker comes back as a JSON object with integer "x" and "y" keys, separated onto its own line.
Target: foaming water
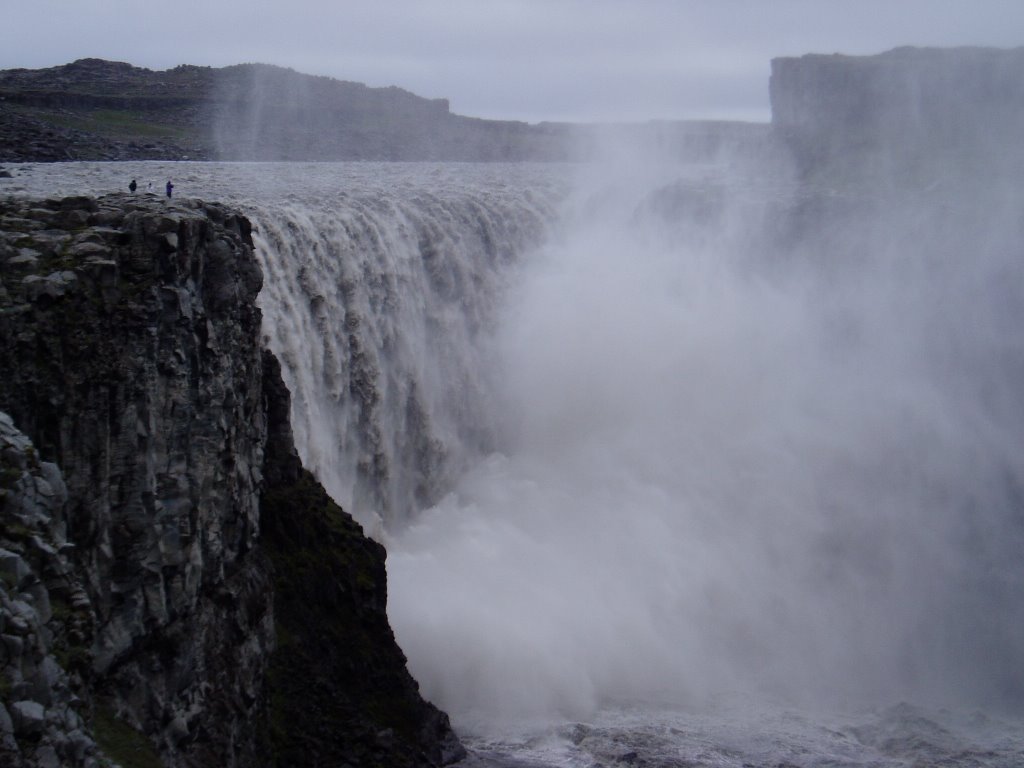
{"x": 380, "y": 299}
{"x": 669, "y": 436}
{"x": 738, "y": 459}
{"x": 737, "y": 735}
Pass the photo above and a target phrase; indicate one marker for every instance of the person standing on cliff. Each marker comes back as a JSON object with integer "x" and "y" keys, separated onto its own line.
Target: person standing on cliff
{"x": 169, "y": 188}
{"x": 133, "y": 186}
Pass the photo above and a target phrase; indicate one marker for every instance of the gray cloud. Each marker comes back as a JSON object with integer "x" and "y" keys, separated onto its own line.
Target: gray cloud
{"x": 520, "y": 59}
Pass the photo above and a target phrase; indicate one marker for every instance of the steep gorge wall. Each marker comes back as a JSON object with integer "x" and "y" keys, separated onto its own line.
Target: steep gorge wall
{"x": 899, "y": 112}
{"x": 129, "y": 345}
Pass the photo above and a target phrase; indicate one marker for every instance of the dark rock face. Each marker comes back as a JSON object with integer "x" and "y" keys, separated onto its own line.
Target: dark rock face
{"x": 896, "y": 112}
{"x": 363, "y": 707}
{"x": 129, "y": 341}
{"x": 46, "y": 617}
{"x": 128, "y": 331}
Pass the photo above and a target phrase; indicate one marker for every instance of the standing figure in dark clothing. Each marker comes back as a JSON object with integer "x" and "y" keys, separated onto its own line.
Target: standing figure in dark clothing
{"x": 133, "y": 186}
{"x": 169, "y": 187}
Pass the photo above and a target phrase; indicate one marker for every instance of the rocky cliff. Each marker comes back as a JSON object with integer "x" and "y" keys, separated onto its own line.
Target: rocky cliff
{"x": 892, "y": 115}
{"x": 93, "y": 109}
{"x": 175, "y": 588}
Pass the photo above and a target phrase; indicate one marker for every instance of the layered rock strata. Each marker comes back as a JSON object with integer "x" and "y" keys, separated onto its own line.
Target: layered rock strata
{"x": 129, "y": 342}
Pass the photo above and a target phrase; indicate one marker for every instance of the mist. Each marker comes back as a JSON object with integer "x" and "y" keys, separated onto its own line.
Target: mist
{"x": 673, "y": 431}
{"x": 759, "y": 436}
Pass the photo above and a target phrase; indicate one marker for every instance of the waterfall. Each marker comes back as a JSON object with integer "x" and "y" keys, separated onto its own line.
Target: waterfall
{"x": 758, "y": 438}
{"x": 670, "y": 432}
{"x": 380, "y": 303}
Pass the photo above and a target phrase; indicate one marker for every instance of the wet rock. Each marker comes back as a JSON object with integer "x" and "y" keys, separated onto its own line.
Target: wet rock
{"x": 46, "y": 757}
{"x": 52, "y": 286}
{"x": 82, "y": 250}
{"x": 13, "y": 569}
{"x": 7, "y": 741}
{"x": 28, "y": 717}
{"x": 26, "y": 257}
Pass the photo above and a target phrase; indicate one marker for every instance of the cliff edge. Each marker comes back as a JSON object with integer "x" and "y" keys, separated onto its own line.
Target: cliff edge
{"x": 174, "y": 588}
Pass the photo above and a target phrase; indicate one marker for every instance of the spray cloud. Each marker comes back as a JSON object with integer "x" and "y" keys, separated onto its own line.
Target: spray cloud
{"x": 758, "y": 436}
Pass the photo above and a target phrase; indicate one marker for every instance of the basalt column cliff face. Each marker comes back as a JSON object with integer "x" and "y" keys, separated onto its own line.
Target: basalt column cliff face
{"x": 158, "y": 537}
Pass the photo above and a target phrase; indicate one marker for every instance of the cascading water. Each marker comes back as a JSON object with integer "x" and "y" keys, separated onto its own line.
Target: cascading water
{"x": 379, "y": 301}
{"x": 381, "y": 287}
{"x": 653, "y": 446}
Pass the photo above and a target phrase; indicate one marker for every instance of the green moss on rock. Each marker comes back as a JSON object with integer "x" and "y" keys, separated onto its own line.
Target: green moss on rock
{"x": 122, "y": 743}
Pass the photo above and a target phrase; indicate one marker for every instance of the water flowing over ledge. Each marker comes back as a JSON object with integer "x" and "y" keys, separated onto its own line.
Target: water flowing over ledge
{"x": 664, "y": 437}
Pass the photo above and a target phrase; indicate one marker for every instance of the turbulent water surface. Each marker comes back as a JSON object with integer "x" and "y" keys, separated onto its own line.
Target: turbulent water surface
{"x": 676, "y": 466}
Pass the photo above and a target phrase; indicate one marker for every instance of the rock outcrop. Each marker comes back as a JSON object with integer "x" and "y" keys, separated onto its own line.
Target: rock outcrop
{"x": 129, "y": 345}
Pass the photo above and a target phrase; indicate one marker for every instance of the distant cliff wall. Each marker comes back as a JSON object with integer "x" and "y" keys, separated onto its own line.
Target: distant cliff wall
{"x": 93, "y": 109}
{"x": 902, "y": 110}
{"x": 129, "y": 345}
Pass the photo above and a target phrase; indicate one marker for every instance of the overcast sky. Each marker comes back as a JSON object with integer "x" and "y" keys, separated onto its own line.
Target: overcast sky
{"x": 532, "y": 60}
